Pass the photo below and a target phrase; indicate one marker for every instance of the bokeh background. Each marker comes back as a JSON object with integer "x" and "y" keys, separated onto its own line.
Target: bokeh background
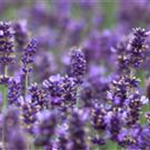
{"x": 61, "y": 24}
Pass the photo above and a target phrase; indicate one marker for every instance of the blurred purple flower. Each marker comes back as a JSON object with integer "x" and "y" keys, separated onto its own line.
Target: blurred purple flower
{"x": 46, "y": 128}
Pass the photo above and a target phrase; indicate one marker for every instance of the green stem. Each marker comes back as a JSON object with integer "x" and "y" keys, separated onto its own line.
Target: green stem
{"x": 26, "y": 83}
{"x": 4, "y": 92}
{"x": 113, "y": 146}
{"x": 3, "y": 138}
{"x": 4, "y": 102}
{"x": 5, "y": 71}
{"x": 4, "y": 88}
{"x": 78, "y": 99}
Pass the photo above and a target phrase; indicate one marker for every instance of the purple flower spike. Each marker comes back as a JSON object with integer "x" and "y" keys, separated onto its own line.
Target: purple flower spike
{"x": 27, "y": 57}
{"x": 138, "y": 47}
{"x": 78, "y": 64}
{"x": 6, "y": 43}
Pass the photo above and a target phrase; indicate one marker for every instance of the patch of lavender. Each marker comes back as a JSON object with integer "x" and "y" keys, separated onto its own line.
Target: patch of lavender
{"x": 81, "y": 99}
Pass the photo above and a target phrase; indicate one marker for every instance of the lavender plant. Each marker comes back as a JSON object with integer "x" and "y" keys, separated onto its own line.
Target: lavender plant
{"x": 76, "y": 85}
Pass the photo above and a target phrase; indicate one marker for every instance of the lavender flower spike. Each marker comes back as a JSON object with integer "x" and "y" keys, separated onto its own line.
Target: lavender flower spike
{"x": 6, "y": 43}
{"x": 78, "y": 64}
{"x": 138, "y": 46}
{"x": 6, "y": 49}
{"x": 27, "y": 57}
{"x": 27, "y": 60}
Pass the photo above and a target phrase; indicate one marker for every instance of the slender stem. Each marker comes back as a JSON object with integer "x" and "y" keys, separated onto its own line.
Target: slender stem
{"x": 5, "y": 71}
{"x": 26, "y": 83}
{"x": 78, "y": 98}
{"x": 3, "y": 138}
{"x": 4, "y": 103}
{"x": 30, "y": 144}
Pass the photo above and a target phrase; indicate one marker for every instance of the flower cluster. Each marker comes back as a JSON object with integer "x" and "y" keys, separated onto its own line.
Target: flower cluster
{"x": 132, "y": 51}
{"x": 62, "y": 90}
{"x": 14, "y": 91}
